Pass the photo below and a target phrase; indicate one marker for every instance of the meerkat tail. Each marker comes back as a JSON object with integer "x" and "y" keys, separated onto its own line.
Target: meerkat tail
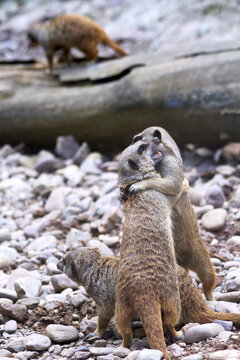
{"x": 151, "y": 318}
{"x": 209, "y": 316}
{"x": 114, "y": 46}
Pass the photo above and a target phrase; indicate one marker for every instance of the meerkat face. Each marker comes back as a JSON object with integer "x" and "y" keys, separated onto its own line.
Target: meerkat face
{"x": 137, "y": 161}
{"x": 154, "y": 132}
{"x": 76, "y": 263}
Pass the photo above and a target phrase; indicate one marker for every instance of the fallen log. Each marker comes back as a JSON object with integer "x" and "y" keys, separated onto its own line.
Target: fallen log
{"x": 196, "y": 98}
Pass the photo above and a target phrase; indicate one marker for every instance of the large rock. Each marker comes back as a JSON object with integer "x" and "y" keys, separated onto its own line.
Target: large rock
{"x": 61, "y": 333}
{"x": 37, "y": 342}
{"x": 224, "y": 355}
{"x": 201, "y": 332}
{"x": 214, "y": 220}
{"x": 27, "y": 287}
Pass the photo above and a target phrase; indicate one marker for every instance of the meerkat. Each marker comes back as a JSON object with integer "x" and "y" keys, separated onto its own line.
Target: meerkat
{"x": 71, "y": 31}
{"x": 98, "y": 274}
{"x": 147, "y": 283}
{"x": 191, "y": 252}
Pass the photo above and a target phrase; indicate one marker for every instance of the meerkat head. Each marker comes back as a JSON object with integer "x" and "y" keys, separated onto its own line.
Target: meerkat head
{"x": 156, "y": 132}
{"x": 77, "y": 263}
{"x": 138, "y": 161}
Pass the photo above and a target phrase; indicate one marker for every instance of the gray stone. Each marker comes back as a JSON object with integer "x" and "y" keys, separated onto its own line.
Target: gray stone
{"x": 91, "y": 164}
{"x": 133, "y": 355}
{"x": 233, "y": 296}
{"x": 62, "y": 281}
{"x": 195, "y": 196}
{"x": 37, "y": 342}
{"x": 16, "y": 345}
{"x": 57, "y": 199}
{"x": 226, "y": 170}
{"x": 230, "y": 264}
{"x": 20, "y": 273}
{"x": 214, "y": 220}
{"x": 224, "y": 355}
{"x": 13, "y": 311}
{"x": 66, "y": 146}
{"x": 72, "y": 174}
{"x": 76, "y": 299}
{"x": 147, "y": 354}
{"x": 4, "y": 262}
{"x": 52, "y": 269}
{"x": 227, "y": 325}
{"x": 121, "y": 352}
{"x": 193, "y": 357}
{"x": 47, "y": 162}
{"x": 201, "y": 332}
{"x": 99, "y": 351}
{"x": 224, "y": 335}
{"x": 9, "y": 294}
{"x": 215, "y": 196}
{"x": 234, "y": 241}
{"x": 27, "y": 287}
{"x": 104, "y": 250}
{"x": 3, "y": 300}
{"x": 10, "y": 326}
{"x": 4, "y": 235}
{"x": 61, "y": 333}
{"x": 201, "y": 210}
{"x": 81, "y": 355}
{"x": 5, "y": 353}
{"x": 81, "y": 154}
{"x": 235, "y": 199}
{"x": 226, "y": 307}
{"x": 76, "y": 237}
{"x": 10, "y": 252}
{"x": 233, "y": 280}
{"x": 42, "y": 243}
{"x": 89, "y": 325}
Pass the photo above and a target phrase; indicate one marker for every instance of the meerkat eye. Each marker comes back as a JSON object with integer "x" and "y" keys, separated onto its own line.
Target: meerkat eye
{"x": 137, "y": 138}
{"x": 142, "y": 148}
{"x": 133, "y": 164}
{"x": 157, "y": 134}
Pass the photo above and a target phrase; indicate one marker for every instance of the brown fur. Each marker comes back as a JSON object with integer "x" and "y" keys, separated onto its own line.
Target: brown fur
{"x": 191, "y": 252}
{"x": 71, "y": 31}
{"x": 147, "y": 282}
{"x": 98, "y": 274}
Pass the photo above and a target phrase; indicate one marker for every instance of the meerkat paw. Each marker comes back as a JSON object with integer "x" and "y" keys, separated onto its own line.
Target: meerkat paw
{"x": 123, "y": 194}
{"x": 136, "y": 187}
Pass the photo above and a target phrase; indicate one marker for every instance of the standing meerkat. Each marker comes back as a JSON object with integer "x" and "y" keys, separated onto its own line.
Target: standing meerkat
{"x": 191, "y": 252}
{"x": 98, "y": 274}
{"x": 71, "y": 31}
{"x": 147, "y": 283}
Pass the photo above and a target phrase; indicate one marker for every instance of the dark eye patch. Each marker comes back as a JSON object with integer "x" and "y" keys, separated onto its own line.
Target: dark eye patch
{"x": 142, "y": 148}
{"x": 133, "y": 164}
{"x": 157, "y": 134}
{"x": 137, "y": 138}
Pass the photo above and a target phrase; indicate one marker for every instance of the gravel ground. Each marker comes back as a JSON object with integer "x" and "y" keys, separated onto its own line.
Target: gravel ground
{"x": 55, "y": 201}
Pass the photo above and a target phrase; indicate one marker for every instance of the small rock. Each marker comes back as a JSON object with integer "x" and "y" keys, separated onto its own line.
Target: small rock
{"x": 133, "y": 355}
{"x": 27, "y": 287}
{"x": 61, "y": 333}
{"x": 8, "y": 301}
{"x": 226, "y": 170}
{"x": 62, "y": 281}
{"x": 233, "y": 296}
{"x": 195, "y": 196}
{"x": 16, "y": 345}
{"x": 10, "y": 326}
{"x": 66, "y": 146}
{"x": 233, "y": 280}
{"x": 214, "y": 220}
{"x": 201, "y": 332}
{"x": 46, "y": 162}
{"x": 235, "y": 199}
{"x": 81, "y": 154}
{"x": 224, "y": 335}
{"x": 11, "y": 253}
{"x": 215, "y": 196}
{"x": 14, "y": 311}
{"x": 4, "y": 235}
{"x": 104, "y": 250}
{"x": 230, "y": 264}
{"x": 76, "y": 299}
{"x": 8, "y": 294}
{"x": 121, "y": 352}
{"x": 193, "y": 357}
{"x": 5, "y": 353}
{"x": 99, "y": 351}
{"x": 4, "y": 262}
{"x": 81, "y": 355}
{"x": 231, "y": 153}
{"x": 234, "y": 241}
{"x": 42, "y": 243}
{"x": 37, "y": 342}
{"x": 89, "y": 325}
{"x": 77, "y": 237}
{"x": 224, "y": 355}
{"x": 227, "y": 325}
{"x": 57, "y": 199}
{"x": 201, "y": 210}
{"x": 147, "y": 354}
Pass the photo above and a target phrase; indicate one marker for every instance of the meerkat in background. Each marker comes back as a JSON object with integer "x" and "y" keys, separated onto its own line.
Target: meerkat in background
{"x": 147, "y": 283}
{"x": 71, "y": 31}
{"x": 191, "y": 252}
{"x": 98, "y": 274}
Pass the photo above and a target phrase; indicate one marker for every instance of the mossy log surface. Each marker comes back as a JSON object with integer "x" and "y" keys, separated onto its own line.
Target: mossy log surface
{"x": 197, "y": 98}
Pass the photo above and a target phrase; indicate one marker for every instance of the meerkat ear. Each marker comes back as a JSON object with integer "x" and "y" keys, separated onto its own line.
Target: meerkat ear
{"x": 157, "y": 134}
{"x": 136, "y": 138}
{"x": 133, "y": 164}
